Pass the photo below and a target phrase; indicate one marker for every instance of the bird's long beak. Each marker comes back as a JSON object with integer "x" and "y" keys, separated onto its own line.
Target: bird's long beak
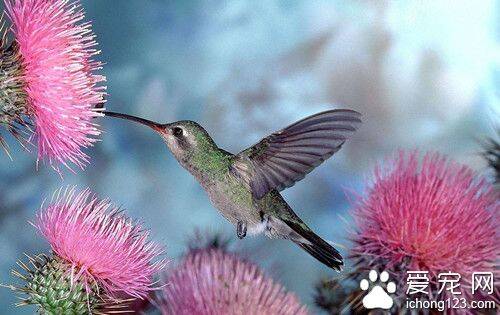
{"x": 155, "y": 126}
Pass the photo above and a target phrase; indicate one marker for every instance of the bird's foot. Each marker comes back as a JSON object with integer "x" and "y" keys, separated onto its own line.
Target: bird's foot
{"x": 241, "y": 229}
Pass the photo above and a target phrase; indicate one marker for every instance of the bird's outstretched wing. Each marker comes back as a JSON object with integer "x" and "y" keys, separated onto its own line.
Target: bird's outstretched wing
{"x": 286, "y": 156}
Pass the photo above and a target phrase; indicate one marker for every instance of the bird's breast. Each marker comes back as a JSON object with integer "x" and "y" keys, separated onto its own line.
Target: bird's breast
{"x": 232, "y": 199}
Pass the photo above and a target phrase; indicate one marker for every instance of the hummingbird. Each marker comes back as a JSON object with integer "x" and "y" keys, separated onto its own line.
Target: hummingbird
{"x": 245, "y": 187}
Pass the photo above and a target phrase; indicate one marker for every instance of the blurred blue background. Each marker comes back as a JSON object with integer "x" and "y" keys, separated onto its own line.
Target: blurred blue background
{"x": 424, "y": 74}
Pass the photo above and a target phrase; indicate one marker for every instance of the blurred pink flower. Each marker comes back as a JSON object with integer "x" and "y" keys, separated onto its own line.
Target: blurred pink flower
{"x": 59, "y": 76}
{"x": 211, "y": 281}
{"x": 436, "y": 216}
{"x": 102, "y": 245}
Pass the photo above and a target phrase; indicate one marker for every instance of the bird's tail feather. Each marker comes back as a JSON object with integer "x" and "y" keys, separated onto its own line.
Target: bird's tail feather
{"x": 318, "y": 248}
{"x": 328, "y": 256}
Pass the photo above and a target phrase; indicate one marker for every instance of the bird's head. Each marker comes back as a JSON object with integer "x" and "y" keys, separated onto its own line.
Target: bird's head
{"x": 186, "y": 139}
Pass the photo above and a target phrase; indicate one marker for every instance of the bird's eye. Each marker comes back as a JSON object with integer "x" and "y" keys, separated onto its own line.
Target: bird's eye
{"x": 177, "y": 131}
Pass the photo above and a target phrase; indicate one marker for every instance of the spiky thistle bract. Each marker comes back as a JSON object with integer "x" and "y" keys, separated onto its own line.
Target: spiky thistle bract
{"x": 50, "y": 286}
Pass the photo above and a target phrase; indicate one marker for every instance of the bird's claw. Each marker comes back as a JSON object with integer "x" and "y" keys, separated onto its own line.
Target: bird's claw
{"x": 241, "y": 229}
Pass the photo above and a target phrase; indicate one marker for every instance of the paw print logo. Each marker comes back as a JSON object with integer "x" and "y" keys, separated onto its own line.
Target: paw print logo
{"x": 377, "y": 297}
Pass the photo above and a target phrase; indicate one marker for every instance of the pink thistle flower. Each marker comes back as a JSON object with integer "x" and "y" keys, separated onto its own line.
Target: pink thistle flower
{"x": 435, "y": 216}
{"x": 101, "y": 244}
{"x": 58, "y": 75}
{"x": 211, "y": 281}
